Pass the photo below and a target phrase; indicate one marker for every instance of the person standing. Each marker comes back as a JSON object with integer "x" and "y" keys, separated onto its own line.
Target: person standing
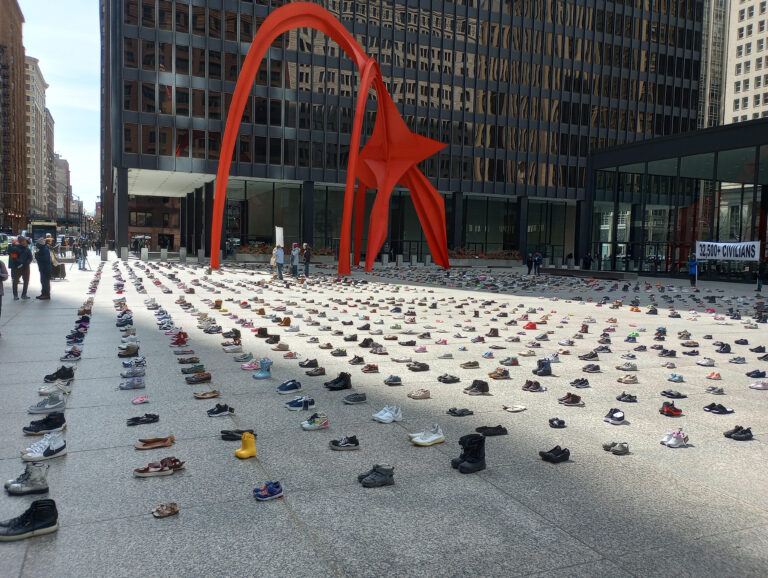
{"x": 529, "y": 262}
{"x": 537, "y": 261}
{"x": 279, "y": 256}
{"x": 693, "y": 269}
{"x": 588, "y": 261}
{"x": 19, "y": 261}
{"x": 761, "y": 270}
{"x": 3, "y": 277}
{"x": 44, "y": 258}
{"x": 295, "y": 260}
{"x": 307, "y": 256}
{"x": 82, "y": 256}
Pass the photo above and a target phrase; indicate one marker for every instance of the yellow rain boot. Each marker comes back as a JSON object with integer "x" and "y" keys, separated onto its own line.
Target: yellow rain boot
{"x": 248, "y": 447}
{"x": 217, "y": 304}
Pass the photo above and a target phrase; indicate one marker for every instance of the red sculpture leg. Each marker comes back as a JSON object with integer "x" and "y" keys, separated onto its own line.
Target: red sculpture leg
{"x": 378, "y": 225}
{"x": 285, "y": 18}
{"x": 430, "y": 207}
{"x": 362, "y": 190}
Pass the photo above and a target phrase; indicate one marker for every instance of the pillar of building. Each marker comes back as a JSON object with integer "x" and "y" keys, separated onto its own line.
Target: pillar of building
{"x": 308, "y": 212}
{"x": 183, "y": 222}
{"x": 207, "y": 217}
{"x": 458, "y": 220}
{"x": 121, "y": 209}
{"x": 189, "y": 241}
{"x": 197, "y": 213}
{"x": 522, "y": 226}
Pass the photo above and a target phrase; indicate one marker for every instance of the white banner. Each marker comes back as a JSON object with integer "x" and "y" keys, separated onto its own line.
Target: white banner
{"x": 728, "y": 251}
{"x": 279, "y": 237}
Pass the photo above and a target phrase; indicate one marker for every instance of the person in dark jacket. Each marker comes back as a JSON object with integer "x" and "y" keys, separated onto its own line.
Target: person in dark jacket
{"x": 45, "y": 265}
{"x": 3, "y": 277}
{"x": 529, "y": 262}
{"x": 307, "y": 255}
{"x": 761, "y": 270}
{"x": 19, "y": 260}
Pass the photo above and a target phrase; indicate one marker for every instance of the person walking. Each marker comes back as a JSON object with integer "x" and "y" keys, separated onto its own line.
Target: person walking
{"x": 19, "y": 260}
{"x": 3, "y": 277}
{"x": 761, "y": 270}
{"x": 529, "y": 262}
{"x": 537, "y": 261}
{"x": 295, "y": 260}
{"x": 587, "y": 261}
{"x": 307, "y": 257}
{"x": 279, "y": 256}
{"x": 44, "y": 258}
{"x": 693, "y": 268}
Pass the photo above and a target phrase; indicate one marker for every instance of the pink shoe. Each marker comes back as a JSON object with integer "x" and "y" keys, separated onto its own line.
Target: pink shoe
{"x": 251, "y": 366}
{"x": 421, "y": 349}
{"x": 140, "y": 400}
{"x": 441, "y": 342}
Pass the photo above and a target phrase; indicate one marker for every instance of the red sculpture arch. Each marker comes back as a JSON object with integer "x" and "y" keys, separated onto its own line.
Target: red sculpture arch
{"x": 389, "y": 157}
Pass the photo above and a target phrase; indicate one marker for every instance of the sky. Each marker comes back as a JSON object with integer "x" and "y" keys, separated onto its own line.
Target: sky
{"x": 64, "y": 36}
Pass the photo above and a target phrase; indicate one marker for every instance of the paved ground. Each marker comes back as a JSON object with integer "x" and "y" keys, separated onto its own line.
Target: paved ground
{"x": 655, "y": 512}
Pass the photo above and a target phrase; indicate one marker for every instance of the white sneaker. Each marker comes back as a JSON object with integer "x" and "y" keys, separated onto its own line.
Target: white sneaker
{"x": 52, "y": 447}
{"x": 552, "y": 358}
{"x": 759, "y": 385}
{"x": 679, "y": 439}
{"x": 50, "y": 388}
{"x": 430, "y": 437}
{"x": 445, "y": 356}
{"x": 389, "y": 414}
{"x": 667, "y": 438}
{"x": 292, "y": 329}
{"x": 706, "y": 362}
{"x": 130, "y": 339}
{"x": 233, "y": 349}
{"x": 402, "y": 359}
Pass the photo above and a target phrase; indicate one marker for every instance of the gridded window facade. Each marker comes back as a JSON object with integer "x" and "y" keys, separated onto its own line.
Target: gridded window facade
{"x": 520, "y": 92}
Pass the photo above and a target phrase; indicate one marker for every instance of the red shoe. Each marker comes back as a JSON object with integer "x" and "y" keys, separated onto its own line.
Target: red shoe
{"x": 529, "y": 325}
{"x": 670, "y": 410}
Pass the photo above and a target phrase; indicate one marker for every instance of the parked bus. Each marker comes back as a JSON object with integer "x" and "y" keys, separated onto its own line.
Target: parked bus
{"x": 38, "y": 229}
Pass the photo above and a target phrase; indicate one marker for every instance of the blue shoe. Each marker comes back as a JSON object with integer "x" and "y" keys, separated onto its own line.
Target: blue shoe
{"x": 289, "y": 386}
{"x": 138, "y": 362}
{"x": 300, "y": 403}
{"x": 263, "y": 373}
{"x": 676, "y": 378}
{"x": 270, "y": 491}
{"x": 133, "y": 383}
{"x": 631, "y": 339}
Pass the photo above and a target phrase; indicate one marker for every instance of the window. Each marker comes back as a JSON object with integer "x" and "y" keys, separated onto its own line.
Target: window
{"x": 130, "y": 53}
{"x": 746, "y": 84}
{"x": 182, "y": 17}
{"x": 736, "y": 104}
{"x": 198, "y": 20}
{"x": 748, "y": 48}
{"x": 749, "y": 29}
{"x": 740, "y": 33}
{"x": 761, "y": 26}
{"x": 765, "y": 98}
{"x": 741, "y": 15}
{"x": 737, "y": 86}
{"x": 758, "y": 81}
{"x": 740, "y": 50}
{"x": 750, "y": 11}
{"x": 738, "y": 68}
{"x": 166, "y": 220}
{"x": 745, "y": 102}
{"x": 747, "y": 66}
{"x": 763, "y": 7}
{"x": 139, "y": 219}
{"x": 761, "y": 44}
{"x": 182, "y": 101}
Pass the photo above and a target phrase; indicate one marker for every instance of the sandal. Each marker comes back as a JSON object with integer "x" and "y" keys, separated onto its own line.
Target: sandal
{"x": 513, "y": 408}
{"x": 459, "y": 412}
{"x": 152, "y": 443}
{"x": 207, "y": 394}
{"x": 152, "y": 470}
{"x": 173, "y": 463}
{"x": 146, "y": 418}
{"x": 165, "y": 510}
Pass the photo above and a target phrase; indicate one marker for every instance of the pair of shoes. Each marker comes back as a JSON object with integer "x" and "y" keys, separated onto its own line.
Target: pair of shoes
{"x": 270, "y": 491}
{"x": 739, "y": 434}
{"x": 626, "y": 397}
{"x": 617, "y": 449}
{"x": 669, "y": 409}
{"x": 614, "y": 417}
{"x": 556, "y": 423}
{"x": 556, "y": 455}
{"x": 472, "y": 457}
{"x": 378, "y": 476}
{"x": 429, "y": 437}
{"x": 676, "y": 439}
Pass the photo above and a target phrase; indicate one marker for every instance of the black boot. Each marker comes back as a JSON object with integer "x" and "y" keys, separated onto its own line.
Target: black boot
{"x": 455, "y": 462}
{"x": 474, "y": 450}
{"x": 40, "y": 518}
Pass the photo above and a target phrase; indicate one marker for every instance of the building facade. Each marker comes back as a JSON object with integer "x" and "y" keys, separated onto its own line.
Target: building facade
{"x": 153, "y": 223}
{"x": 62, "y": 186}
{"x": 651, "y": 201}
{"x": 36, "y": 137}
{"x": 13, "y": 182}
{"x": 520, "y": 92}
{"x": 50, "y": 167}
{"x": 746, "y": 87}
{"x": 713, "y": 62}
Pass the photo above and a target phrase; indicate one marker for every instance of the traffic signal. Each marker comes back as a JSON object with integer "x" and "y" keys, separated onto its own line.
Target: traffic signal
{"x": 66, "y": 229}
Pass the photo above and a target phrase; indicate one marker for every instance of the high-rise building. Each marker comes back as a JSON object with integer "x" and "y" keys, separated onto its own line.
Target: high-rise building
{"x": 62, "y": 186}
{"x": 746, "y": 86}
{"x": 50, "y": 170}
{"x": 713, "y": 54}
{"x": 36, "y": 146}
{"x": 520, "y": 92}
{"x": 13, "y": 182}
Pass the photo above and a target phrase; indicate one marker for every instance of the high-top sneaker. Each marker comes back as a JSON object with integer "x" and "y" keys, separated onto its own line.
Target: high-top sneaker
{"x": 584, "y": 328}
{"x": 32, "y": 481}
{"x": 380, "y": 475}
{"x": 40, "y": 518}
{"x": 265, "y": 369}
{"x": 492, "y": 333}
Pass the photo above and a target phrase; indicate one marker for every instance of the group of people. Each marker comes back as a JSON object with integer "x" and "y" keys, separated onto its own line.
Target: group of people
{"x": 297, "y": 255}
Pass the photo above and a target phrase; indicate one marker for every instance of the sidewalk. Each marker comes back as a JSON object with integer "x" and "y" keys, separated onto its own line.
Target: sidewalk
{"x": 688, "y": 512}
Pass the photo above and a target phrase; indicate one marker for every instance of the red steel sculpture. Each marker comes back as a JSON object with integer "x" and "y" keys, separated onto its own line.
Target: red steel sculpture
{"x": 389, "y": 157}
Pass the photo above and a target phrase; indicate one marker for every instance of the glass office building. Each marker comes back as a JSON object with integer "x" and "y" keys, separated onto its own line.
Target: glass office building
{"x": 651, "y": 201}
{"x": 520, "y": 91}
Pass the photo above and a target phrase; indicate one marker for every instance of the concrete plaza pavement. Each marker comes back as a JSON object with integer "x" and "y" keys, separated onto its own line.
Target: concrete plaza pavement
{"x": 655, "y": 512}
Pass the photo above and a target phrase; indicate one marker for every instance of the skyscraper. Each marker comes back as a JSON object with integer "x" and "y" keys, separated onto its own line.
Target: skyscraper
{"x": 13, "y": 201}
{"x": 36, "y": 137}
{"x": 520, "y": 92}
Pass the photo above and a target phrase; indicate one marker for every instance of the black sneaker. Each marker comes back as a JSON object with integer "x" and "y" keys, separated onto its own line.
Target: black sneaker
{"x": 640, "y": 348}
{"x": 40, "y": 518}
{"x": 488, "y": 431}
{"x": 724, "y": 348}
{"x": 367, "y": 342}
{"x": 220, "y": 410}
{"x": 758, "y": 349}
{"x": 743, "y": 435}
{"x": 343, "y": 381}
{"x": 350, "y": 338}
{"x": 355, "y": 398}
{"x": 309, "y": 363}
{"x": 556, "y": 423}
{"x": 61, "y": 374}
{"x": 52, "y": 422}
{"x": 357, "y": 360}
{"x": 730, "y": 432}
{"x": 407, "y": 343}
{"x": 588, "y": 356}
{"x": 345, "y": 444}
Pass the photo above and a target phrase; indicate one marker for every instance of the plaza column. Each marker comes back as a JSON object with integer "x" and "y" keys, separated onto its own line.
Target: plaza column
{"x": 308, "y": 212}
{"x": 458, "y": 220}
{"x": 198, "y": 216}
{"x": 207, "y": 213}
{"x": 189, "y": 241}
{"x": 183, "y": 222}
{"x": 121, "y": 210}
{"x": 522, "y": 226}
